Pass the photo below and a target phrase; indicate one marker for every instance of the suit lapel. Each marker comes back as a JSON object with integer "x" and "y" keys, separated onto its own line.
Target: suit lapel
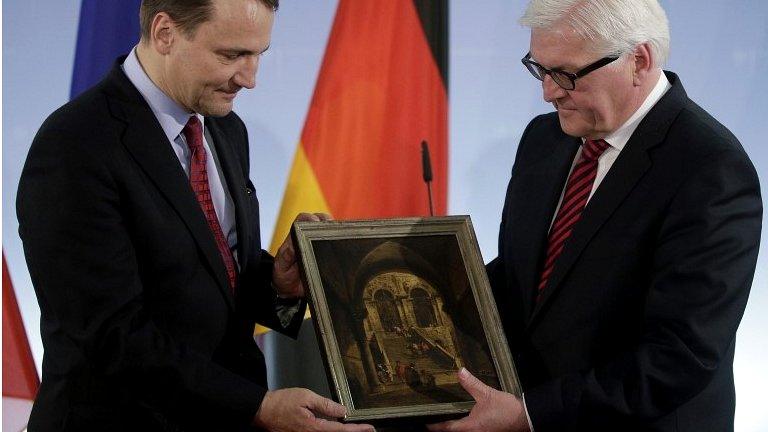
{"x": 147, "y": 143}
{"x": 237, "y": 189}
{"x": 624, "y": 174}
{"x": 628, "y": 169}
{"x": 533, "y": 214}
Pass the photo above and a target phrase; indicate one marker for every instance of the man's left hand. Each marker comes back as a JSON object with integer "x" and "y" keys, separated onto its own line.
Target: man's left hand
{"x": 286, "y": 277}
{"x": 493, "y": 411}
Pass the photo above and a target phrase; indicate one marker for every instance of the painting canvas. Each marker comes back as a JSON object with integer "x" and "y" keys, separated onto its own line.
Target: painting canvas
{"x": 401, "y": 305}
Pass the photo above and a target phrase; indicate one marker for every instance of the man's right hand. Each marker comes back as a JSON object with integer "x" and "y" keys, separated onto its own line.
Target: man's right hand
{"x": 298, "y": 409}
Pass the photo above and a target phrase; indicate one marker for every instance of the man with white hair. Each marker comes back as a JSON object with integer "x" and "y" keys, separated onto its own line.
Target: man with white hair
{"x": 628, "y": 239}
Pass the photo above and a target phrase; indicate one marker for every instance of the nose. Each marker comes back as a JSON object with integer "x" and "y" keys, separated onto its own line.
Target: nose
{"x": 246, "y": 74}
{"x": 551, "y": 91}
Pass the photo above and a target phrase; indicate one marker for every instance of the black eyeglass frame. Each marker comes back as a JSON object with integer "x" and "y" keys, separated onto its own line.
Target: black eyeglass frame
{"x": 539, "y": 72}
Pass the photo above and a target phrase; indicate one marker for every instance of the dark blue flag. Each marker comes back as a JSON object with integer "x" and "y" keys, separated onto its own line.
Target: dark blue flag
{"x": 108, "y": 28}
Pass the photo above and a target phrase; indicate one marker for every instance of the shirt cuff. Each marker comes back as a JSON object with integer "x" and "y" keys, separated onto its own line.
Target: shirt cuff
{"x": 285, "y": 308}
{"x": 286, "y": 312}
{"x": 527, "y": 417}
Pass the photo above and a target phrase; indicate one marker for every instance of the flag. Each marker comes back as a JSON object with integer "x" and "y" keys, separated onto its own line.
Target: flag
{"x": 381, "y": 91}
{"x": 20, "y": 380}
{"x": 108, "y": 29}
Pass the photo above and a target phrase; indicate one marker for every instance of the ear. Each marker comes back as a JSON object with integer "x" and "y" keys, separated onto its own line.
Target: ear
{"x": 643, "y": 63}
{"x": 162, "y": 33}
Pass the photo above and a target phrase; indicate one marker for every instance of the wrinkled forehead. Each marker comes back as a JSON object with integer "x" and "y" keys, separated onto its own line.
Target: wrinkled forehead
{"x": 246, "y": 9}
{"x": 559, "y": 47}
{"x": 247, "y": 22}
{"x": 232, "y": 11}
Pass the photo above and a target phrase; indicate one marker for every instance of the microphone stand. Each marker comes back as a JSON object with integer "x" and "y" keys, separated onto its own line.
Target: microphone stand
{"x": 426, "y": 169}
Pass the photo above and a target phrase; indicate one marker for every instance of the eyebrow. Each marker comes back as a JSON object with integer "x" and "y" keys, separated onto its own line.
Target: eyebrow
{"x": 558, "y": 68}
{"x": 243, "y": 51}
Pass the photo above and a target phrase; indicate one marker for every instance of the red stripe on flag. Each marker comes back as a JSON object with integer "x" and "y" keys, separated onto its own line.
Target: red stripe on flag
{"x": 20, "y": 378}
{"x": 379, "y": 94}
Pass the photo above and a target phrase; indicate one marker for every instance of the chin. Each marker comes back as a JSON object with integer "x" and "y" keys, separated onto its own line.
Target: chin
{"x": 571, "y": 128}
{"x": 216, "y": 110}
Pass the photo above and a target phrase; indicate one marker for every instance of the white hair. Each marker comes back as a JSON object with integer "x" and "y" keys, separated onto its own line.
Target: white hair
{"x": 615, "y": 27}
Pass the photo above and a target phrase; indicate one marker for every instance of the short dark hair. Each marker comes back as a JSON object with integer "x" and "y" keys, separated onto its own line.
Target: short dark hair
{"x": 187, "y": 14}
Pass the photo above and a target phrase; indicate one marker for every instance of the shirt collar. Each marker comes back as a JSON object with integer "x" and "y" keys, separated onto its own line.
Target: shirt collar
{"x": 171, "y": 115}
{"x": 619, "y": 138}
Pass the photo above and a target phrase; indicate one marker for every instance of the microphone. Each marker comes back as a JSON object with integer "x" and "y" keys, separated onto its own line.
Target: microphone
{"x": 426, "y": 171}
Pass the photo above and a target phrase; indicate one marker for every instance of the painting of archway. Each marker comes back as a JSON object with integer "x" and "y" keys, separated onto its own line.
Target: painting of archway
{"x": 406, "y": 319}
{"x": 387, "y": 310}
{"x": 399, "y": 306}
{"x": 423, "y": 308}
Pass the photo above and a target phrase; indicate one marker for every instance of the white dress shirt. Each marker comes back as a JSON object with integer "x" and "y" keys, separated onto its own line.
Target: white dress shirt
{"x": 616, "y": 141}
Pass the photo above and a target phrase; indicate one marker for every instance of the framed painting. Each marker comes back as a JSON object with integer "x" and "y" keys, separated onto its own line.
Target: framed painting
{"x": 400, "y": 305}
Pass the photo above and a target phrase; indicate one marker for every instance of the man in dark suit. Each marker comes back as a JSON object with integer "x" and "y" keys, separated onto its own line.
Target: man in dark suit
{"x": 628, "y": 239}
{"x": 141, "y": 231}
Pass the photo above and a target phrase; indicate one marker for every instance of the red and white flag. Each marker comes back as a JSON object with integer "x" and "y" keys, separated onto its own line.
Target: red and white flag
{"x": 20, "y": 380}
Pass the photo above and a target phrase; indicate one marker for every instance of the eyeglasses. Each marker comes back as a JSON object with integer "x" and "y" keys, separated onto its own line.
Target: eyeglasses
{"x": 566, "y": 80}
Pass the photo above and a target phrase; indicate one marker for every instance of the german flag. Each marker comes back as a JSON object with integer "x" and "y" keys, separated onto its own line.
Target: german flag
{"x": 381, "y": 91}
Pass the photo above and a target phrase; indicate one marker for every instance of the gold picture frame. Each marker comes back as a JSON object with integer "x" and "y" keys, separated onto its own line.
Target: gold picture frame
{"x": 399, "y": 305}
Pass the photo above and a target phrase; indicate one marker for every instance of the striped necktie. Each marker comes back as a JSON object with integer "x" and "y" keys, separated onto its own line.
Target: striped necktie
{"x": 575, "y": 198}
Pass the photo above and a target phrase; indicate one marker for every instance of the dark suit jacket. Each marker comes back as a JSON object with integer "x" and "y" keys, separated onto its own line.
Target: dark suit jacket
{"x": 140, "y": 328}
{"x": 636, "y": 327}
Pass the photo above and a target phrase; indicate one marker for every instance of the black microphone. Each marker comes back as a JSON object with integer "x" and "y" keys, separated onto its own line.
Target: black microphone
{"x": 426, "y": 171}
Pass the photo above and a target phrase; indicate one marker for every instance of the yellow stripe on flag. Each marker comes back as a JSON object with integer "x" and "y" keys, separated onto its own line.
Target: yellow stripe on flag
{"x": 302, "y": 195}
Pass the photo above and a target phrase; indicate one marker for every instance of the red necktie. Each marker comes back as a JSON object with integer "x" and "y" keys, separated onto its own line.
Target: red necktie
{"x": 198, "y": 179}
{"x": 575, "y": 197}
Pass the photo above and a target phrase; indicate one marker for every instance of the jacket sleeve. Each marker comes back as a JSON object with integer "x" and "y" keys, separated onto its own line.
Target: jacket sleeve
{"x": 257, "y": 300}
{"x": 504, "y": 284}
{"x": 260, "y": 302}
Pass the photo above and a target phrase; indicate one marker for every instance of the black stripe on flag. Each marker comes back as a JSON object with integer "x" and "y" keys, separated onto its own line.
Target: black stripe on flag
{"x": 433, "y": 15}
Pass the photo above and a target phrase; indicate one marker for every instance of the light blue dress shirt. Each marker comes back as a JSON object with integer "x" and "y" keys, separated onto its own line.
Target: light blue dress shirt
{"x": 173, "y": 118}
